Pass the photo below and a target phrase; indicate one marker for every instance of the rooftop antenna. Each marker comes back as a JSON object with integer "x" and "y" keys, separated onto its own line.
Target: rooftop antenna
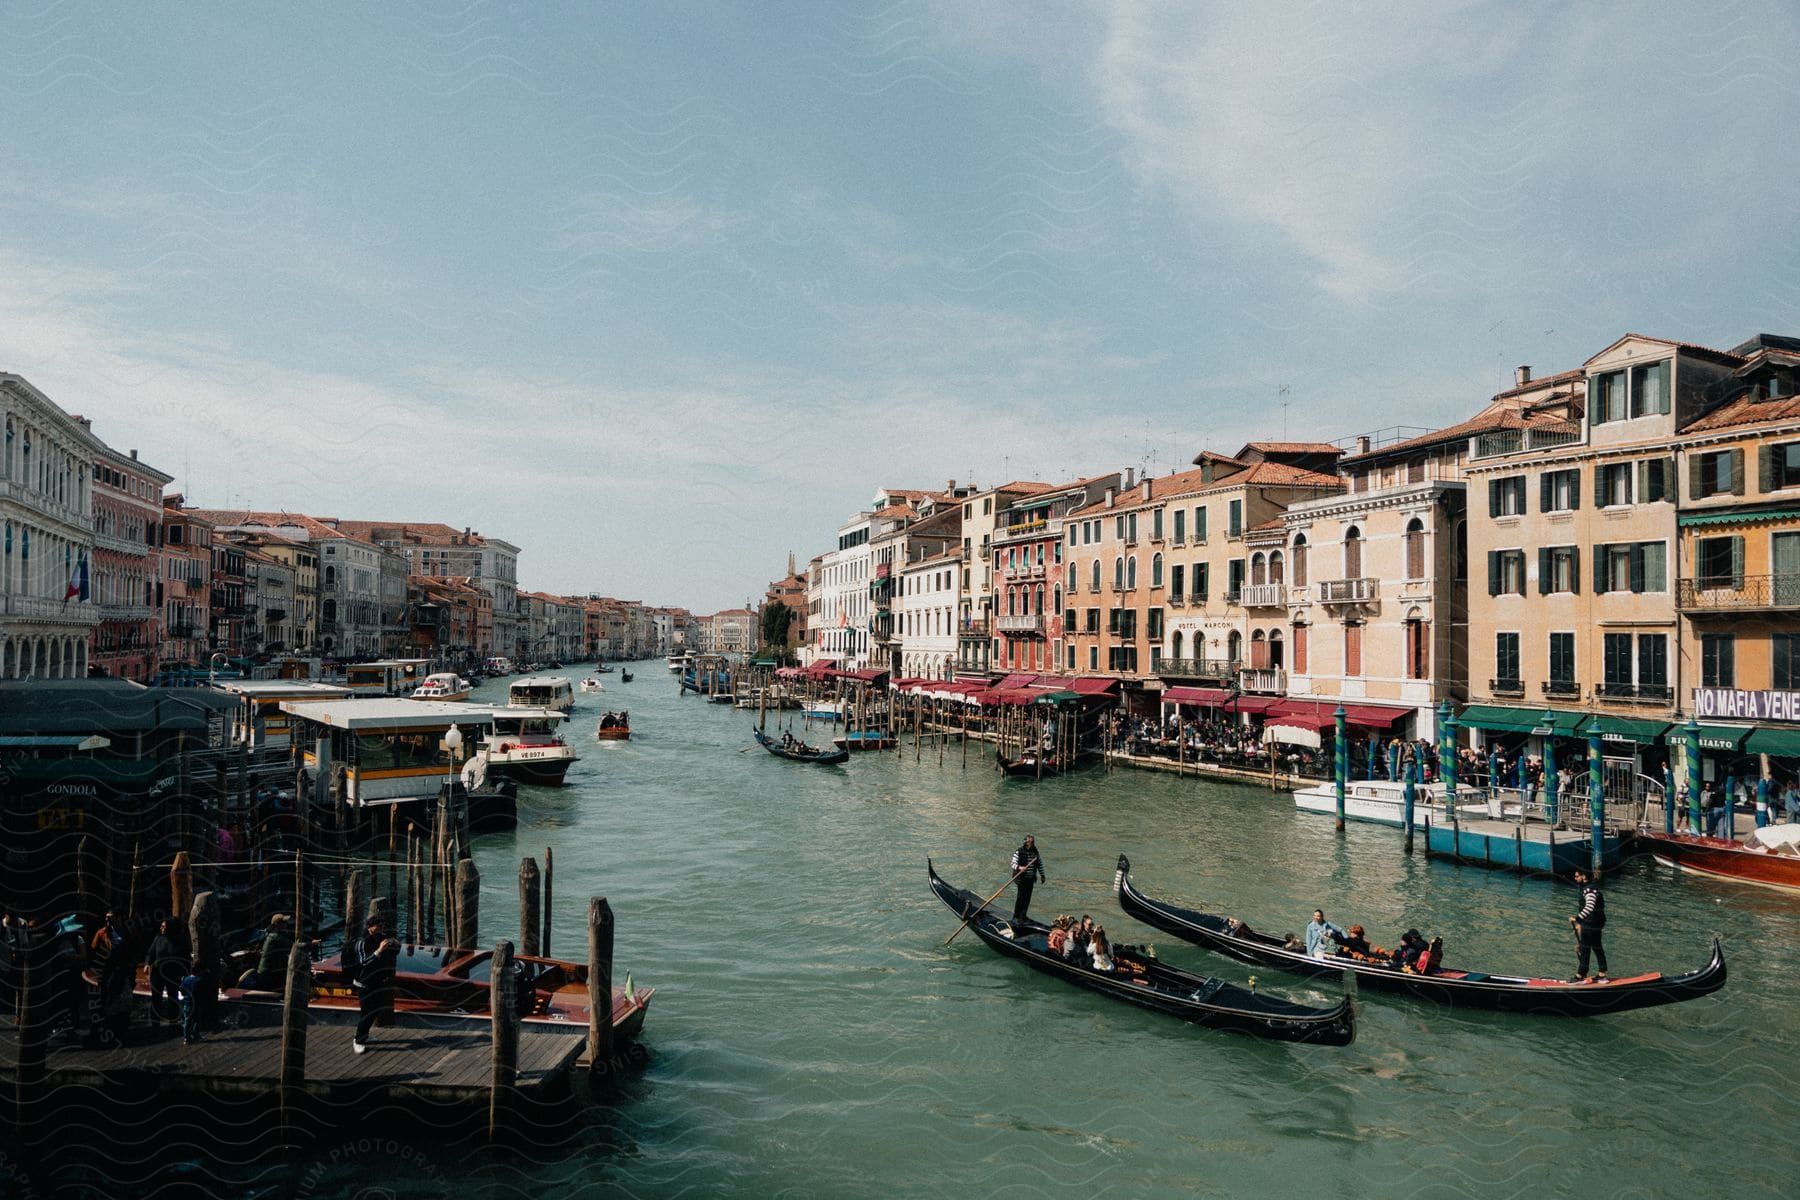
{"x": 1282, "y": 392}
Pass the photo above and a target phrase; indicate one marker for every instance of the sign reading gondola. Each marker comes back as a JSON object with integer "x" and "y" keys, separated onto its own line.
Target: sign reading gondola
{"x": 1740, "y": 704}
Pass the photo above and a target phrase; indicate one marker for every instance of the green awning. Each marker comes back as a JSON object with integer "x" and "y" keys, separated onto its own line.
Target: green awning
{"x": 1714, "y": 737}
{"x": 1519, "y": 720}
{"x": 1055, "y": 697}
{"x": 1738, "y": 517}
{"x": 1626, "y": 729}
{"x": 1783, "y": 743}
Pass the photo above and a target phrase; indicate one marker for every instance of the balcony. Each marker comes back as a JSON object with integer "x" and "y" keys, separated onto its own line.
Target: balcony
{"x": 1198, "y": 668}
{"x": 1562, "y": 687}
{"x": 43, "y": 608}
{"x": 1265, "y": 595}
{"x": 1029, "y": 623}
{"x": 1641, "y": 693}
{"x": 1267, "y": 680}
{"x": 1349, "y": 591}
{"x": 974, "y": 629}
{"x": 126, "y": 612}
{"x": 1737, "y": 594}
{"x": 1501, "y": 442}
{"x": 1506, "y": 687}
{"x": 1176, "y": 600}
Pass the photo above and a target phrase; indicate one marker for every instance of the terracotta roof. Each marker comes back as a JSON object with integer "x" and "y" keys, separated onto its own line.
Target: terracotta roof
{"x": 1538, "y": 385}
{"x": 1691, "y": 348}
{"x": 1293, "y": 447}
{"x": 1746, "y": 411}
{"x": 1283, "y": 474}
{"x": 1494, "y": 416}
{"x": 1026, "y": 487}
{"x": 314, "y": 528}
{"x": 1272, "y": 523}
{"x": 425, "y": 532}
{"x": 896, "y": 510}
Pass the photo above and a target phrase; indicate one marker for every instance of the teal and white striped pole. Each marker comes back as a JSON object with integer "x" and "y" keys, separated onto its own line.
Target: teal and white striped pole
{"x": 1342, "y": 773}
{"x": 1410, "y": 793}
{"x": 1447, "y": 762}
{"x": 1691, "y": 734}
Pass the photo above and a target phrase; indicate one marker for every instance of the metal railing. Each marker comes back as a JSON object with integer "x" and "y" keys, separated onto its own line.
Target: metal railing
{"x": 1727, "y": 592}
{"x": 1212, "y": 668}
{"x": 974, "y": 627}
{"x": 71, "y": 612}
{"x": 1265, "y": 595}
{"x": 1349, "y": 591}
{"x": 1507, "y": 687}
{"x": 1561, "y": 687}
{"x": 1647, "y": 692}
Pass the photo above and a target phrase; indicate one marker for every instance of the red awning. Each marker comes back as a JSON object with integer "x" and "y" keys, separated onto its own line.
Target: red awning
{"x": 1207, "y": 697}
{"x": 1361, "y": 716}
{"x": 1310, "y": 721}
{"x": 1254, "y": 705}
{"x": 1016, "y": 681}
{"x": 1016, "y": 696}
{"x": 1093, "y": 685}
{"x": 866, "y": 675}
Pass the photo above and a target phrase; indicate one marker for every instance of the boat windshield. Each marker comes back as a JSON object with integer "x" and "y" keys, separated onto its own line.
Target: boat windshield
{"x": 423, "y": 960}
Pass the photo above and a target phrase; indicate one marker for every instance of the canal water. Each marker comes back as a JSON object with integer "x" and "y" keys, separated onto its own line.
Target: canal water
{"x": 812, "y": 1035}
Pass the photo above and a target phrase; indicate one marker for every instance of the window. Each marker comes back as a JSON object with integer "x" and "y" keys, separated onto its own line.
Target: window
{"x": 1717, "y": 474}
{"x": 1353, "y": 553}
{"x": 1131, "y": 529}
{"x": 1300, "y": 649}
{"x": 1612, "y": 484}
{"x": 1352, "y": 649}
{"x": 1415, "y": 550}
{"x": 1506, "y": 662}
{"x": 1418, "y": 649}
{"x": 1631, "y": 567}
{"x": 1780, "y": 466}
{"x": 1093, "y": 658}
{"x": 1784, "y": 661}
{"x": 1202, "y": 581}
{"x": 1074, "y": 532}
{"x": 1559, "y": 569}
{"x": 1559, "y": 491}
{"x": 1656, "y": 481}
{"x": 1300, "y": 560}
{"x": 1156, "y": 570}
{"x": 1562, "y": 663}
{"x": 1180, "y": 526}
{"x": 1259, "y": 571}
{"x": 1506, "y": 572}
{"x": 1719, "y": 563}
{"x": 1177, "y": 577}
{"x": 1606, "y": 398}
{"x": 1153, "y": 624}
{"x": 1277, "y": 567}
{"x": 1650, "y": 389}
{"x": 1093, "y": 620}
{"x": 1234, "y": 580}
{"x": 1200, "y": 525}
{"x": 1131, "y": 573}
{"x": 1653, "y": 663}
{"x": 1415, "y": 471}
{"x": 1718, "y": 660}
{"x": 1506, "y": 497}
{"x": 1094, "y": 573}
{"x": 1235, "y": 519}
{"x": 1156, "y": 525}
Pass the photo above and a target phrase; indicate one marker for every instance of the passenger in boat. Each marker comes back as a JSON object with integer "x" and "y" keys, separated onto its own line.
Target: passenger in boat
{"x": 1059, "y": 934}
{"x": 1321, "y": 936}
{"x": 1354, "y": 944}
{"x": 1101, "y": 950}
{"x": 1081, "y": 935}
{"x": 1412, "y": 945}
{"x": 1293, "y": 945}
{"x": 1790, "y": 802}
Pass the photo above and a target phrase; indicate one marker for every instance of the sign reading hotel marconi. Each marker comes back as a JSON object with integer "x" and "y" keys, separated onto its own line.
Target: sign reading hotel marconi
{"x": 1739, "y": 705}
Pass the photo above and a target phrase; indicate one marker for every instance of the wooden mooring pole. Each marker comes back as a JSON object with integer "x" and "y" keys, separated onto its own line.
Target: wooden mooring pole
{"x": 600, "y": 956}
{"x": 549, "y": 880}
{"x": 468, "y": 904}
{"x": 504, "y": 1074}
{"x": 294, "y": 1001}
{"x": 530, "y": 899}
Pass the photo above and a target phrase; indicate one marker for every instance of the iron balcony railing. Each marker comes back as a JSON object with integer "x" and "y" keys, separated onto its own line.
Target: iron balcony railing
{"x": 1507, "y": 687}
{"x": 1200, "y": 668}
{"x": 1561, "y": 687}
{"x": 1646, "y": 692}
{"x": 1349, "y": 591}
{"x": 1501, "y": 442}
{"x": 974, "y": 627}
{"x": 1727, "y": 593}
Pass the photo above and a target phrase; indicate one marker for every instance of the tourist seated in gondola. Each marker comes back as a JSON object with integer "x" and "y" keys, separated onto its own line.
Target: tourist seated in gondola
{"x": 1081, "y": 934}
{"x": 1406, "y": 954}
{"x": 1293, "y": 945}
{"x": 1101, "y": 951}
{"x": 1322, "y": 936}
{"x": 1059, "y": 935}
{"x": 1354, "y": 944}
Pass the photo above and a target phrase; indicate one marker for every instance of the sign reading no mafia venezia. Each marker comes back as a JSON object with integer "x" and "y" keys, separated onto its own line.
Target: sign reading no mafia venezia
{"x": 1741, "y": 705}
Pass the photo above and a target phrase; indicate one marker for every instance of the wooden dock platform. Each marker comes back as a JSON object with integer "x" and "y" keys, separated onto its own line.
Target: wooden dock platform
{"x": 429, "y": 1057}
{"x": 1531, "y": 847}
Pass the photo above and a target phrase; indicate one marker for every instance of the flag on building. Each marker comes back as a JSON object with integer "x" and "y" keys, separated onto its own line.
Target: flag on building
{"x": 78, "y": 581}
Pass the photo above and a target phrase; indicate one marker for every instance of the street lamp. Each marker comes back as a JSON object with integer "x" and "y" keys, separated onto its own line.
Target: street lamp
{"x": 453, "y": 740}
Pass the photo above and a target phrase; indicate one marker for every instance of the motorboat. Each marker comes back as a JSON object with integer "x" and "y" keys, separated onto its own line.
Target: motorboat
{"x": 1381, "y": 801}
{"x": 591, "y": 685}
{"x": 443, "y": 685}
{"x": 523, "y": 746}
{"x": 541, "y": 691}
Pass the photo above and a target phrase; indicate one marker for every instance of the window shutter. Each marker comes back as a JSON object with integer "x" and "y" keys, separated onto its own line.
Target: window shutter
{"x": 1637, "y": 566}
{"x": 1737, "y": 472}
{"x": 1599, "y": 486}
{"x": 1600, "y": 580}
{"x": 1543, "y": 570}
{"x": 1493, "y": 572}
{"x": 1737, "y": 564}
{"x": 1574, "y": 570}
{"x": 1765, "y": 468}
{"x": 1694, "y": 465}
{"x": 1493, "y": 497}
{"x": 1544, "y": 490}
{"x": 1575, "y": 489}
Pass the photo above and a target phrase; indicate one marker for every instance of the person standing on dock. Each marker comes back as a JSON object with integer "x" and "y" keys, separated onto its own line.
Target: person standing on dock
{"x": 371, "y": 966}
{"x": 1028, "y": 870}
{"x": 1588, "y": 922}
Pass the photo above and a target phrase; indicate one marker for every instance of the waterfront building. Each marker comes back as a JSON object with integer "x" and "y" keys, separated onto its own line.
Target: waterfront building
{"x": 1029, "y": 571}
{"x": 47, "y": 617}
{"x": 269, "y": 603}
{"x": 927, "y": 595}
{"x": 730, "y": 631}
{"x": 843, "y": 625}
{"x": 187, "y": 562}
{"x": 448, "y": 619}
{"x": 930, "y": 526}
{"x": 789, "y": 592}
{"x": 230, "y": 607}
{"x": 283, "y": 627}
{"x": 975, "y": 605}
{"x": 1572, "y": 539}
{"x": 126, "y": 565}
{"x": 437, "y": 549}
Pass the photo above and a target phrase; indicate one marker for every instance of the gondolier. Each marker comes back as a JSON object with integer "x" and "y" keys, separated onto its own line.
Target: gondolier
{"x": 1588, "y": 922}
{"x": 1028, "y": 869}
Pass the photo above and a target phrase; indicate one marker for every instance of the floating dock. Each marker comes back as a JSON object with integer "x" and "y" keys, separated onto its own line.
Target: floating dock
{"x": 1531, "y": 847}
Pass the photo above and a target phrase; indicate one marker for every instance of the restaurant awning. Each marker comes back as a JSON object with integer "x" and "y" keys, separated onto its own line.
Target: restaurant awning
{"x": 1359, "y": 716}
{"x": 1520, "y": 720}
{"x": 1094, "y": 685}
{"x": 1312, "y": 721}
{"x": 1782, "y": 743}
{"x": 1254, "y": 705}
{"x": 1206, "y": 697}
{"x": 865, "y": 675}
{"x": 1016, "y": 681}
{"x": 1714, "y": 737}
{"x": 1625, "y": 729}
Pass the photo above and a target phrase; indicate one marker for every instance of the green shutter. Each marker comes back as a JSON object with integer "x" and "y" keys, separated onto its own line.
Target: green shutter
{"x": 1737, "y": 564}
{"x": 1765, "y": 473}
{"x": 1544, "y": 490}
{"x": 1737, "y": 472}
{"x": 1575, "y": 489}
{"x": 1574, "y": 570}
{"x": 1600, "y": 581}
{"x": 1493, "y": 497}
{"x": 1694, "y": 463}
{"x": 1543, "y": 570}
{"x": 1493, "y": 572}
{"x": 1599, "y": 486}
{"x": 1637, "y": 566}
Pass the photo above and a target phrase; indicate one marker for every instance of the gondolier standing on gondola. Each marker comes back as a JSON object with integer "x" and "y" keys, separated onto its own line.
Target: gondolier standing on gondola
{"x": 1028, "y": 870}
{"x": 1589, "y": 920}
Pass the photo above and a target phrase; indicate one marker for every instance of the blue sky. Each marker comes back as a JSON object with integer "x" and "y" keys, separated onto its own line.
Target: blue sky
{"x": 662, "y": 292}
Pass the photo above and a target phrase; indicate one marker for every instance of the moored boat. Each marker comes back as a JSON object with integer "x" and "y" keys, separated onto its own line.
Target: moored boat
{"x": 1147, "y": 983}
{"x": 1467, "y": 989}
{"x": 794, "y": 750}
{"x": 1031, "y": 763}
{"x": 1768, "y": 857}
{"x": 614, "y": 727}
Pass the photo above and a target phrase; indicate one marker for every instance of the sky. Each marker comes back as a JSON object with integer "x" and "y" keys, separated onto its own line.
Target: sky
{"x": 662, "y": 293}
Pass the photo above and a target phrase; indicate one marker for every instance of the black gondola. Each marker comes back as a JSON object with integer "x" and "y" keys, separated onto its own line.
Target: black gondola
{"x": 1465, "y": 989}
{"x": 624, "y": 676}
{"x": 799, "y": 751}
{"x": 1027, "y": 766}
{"x": 1154, "y": 985}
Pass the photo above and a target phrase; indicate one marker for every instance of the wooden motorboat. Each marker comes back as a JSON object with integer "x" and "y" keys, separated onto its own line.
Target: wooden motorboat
{"x": 614, "y": 727}
{"x": 1769, "y": 857}
{"x": 1147, "y": 983}
{"x": 1460, "y": 988}
{"x": 798, "y": 751}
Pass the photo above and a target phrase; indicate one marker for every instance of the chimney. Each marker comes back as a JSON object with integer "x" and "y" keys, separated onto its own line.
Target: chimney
{"x": 1109, "y": 497}
{"x": 1130, "y": 475}
{"x": 134, "y": 456}
{"x": 1146, "y": 489}
{"x": 951, "y": 487}
{"x": 1521, "y": 376}
{"x": 1362, "y": 444}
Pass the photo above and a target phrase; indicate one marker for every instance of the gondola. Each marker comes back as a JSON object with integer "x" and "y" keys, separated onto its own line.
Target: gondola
{"x": 1027, "y": 766}
{"x": 1458, "y": 988}
{"x": 1150, "y": 984}
{"x": 800, "y": 751}
{"x": 624, "y": 676}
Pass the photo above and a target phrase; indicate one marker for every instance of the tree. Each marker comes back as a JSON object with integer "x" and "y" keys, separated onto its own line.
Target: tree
{"x": 776, "y": 620}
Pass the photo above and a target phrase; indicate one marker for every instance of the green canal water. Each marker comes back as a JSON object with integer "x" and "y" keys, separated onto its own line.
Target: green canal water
{"x": 812, "y": 1035}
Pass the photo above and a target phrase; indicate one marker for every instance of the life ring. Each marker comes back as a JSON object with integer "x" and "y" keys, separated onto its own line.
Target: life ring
{"x": 505, "y": 747}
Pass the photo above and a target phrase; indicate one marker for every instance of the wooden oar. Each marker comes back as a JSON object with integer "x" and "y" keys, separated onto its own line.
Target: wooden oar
{"x": 984, "y": 904}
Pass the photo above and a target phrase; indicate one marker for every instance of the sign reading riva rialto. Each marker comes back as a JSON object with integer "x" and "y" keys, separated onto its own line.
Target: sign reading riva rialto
{"x": 1741, "y": 705}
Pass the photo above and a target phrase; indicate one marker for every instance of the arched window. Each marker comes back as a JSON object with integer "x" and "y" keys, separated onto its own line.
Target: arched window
{"x": 1234, "y": 647}
{"x": 1119, "y": 574}
{"x": 1259, "y": 570}
{"x": 1094, "y": 577}
{"x": 1415, "y": 549}
{"x": 1259, "y": 650}
{"x": 1276, "y": 567}
{"x": 1056, "y": 602}
{"x": 1276, "y": 658}
{"x": 1299, "y": 648}
{"x": 1175, "y": 644}
{"x": 1131, "y": 572}
{"x": 1299, "y": 560}
{"x": 1353, "y": 553}
{"x": 1156, "y": 568}
{"x": 1040, "y": 600}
